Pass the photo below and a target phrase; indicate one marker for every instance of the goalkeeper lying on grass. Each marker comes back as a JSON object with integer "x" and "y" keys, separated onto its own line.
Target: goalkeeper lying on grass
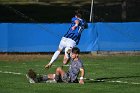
{"x": 71, "y": 76}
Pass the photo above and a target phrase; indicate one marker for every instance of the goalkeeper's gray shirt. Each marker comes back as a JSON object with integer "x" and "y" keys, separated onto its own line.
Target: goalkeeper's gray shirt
{"x": 74, "y": 69}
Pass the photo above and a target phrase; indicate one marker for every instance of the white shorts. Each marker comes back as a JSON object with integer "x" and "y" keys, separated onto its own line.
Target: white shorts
{"x": 66, "y": 43}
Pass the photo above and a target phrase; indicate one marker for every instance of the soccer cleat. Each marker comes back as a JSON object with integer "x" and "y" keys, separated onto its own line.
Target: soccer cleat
{"x": 31, "y": 76}
{"x": 30, "y": 79}
{"x": 48, "y": 66}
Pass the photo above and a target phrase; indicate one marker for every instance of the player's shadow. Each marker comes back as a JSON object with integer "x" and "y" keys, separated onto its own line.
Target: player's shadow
{"x": 105, "y": 79}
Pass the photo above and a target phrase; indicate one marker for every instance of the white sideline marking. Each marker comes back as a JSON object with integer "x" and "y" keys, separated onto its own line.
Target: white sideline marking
{"x": 7, "y": 72}
{"x": 63, "y": 65}
{"x": 117, "y": 81}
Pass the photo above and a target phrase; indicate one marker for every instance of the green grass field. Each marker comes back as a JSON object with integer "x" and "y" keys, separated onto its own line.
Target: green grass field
{"x": 111, "y": 74}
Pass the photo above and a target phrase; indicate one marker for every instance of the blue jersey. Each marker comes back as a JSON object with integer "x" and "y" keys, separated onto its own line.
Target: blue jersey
{"x": 76, "y": 34}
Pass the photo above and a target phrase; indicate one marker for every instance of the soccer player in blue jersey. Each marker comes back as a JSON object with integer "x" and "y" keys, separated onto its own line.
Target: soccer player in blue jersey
{"x": 71, "y": 38}
{"x": 71, "y": 76}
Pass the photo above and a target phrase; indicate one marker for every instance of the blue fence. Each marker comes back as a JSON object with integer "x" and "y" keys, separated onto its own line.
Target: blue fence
{"x": 33, "y": 37}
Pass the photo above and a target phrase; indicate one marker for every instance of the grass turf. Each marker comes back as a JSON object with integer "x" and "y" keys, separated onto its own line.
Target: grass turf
{"x": 107, "y": 72}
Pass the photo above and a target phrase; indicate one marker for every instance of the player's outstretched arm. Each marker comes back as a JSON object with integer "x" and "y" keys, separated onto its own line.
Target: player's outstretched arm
{"x": 82, "y": 71}
{"x": 76, "y": 24}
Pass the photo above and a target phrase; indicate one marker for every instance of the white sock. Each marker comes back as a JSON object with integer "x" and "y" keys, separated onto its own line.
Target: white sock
{"x": 54, "y": 57}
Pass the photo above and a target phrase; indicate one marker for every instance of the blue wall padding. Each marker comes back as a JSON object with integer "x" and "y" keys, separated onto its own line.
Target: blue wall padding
{"x": 35, "y": 37}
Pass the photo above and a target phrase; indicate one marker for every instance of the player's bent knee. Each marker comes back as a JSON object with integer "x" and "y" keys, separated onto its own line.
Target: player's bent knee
{"x": 58, "y": 69}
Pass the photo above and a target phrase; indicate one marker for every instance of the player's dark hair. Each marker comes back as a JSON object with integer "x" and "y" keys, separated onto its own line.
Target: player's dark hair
{"x": 75, "y": 50}
{"x": 79, "y": 13}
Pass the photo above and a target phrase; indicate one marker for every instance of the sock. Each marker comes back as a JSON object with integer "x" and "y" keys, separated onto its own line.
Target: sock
{"x": 54, "y": 57}
{"x": 42, "y": 78}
